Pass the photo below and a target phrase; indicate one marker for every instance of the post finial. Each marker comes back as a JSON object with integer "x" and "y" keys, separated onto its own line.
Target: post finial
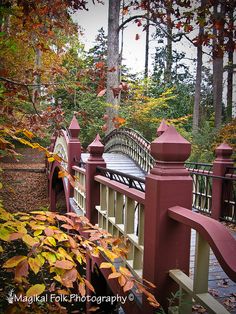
{"x": 170, "y": 150}
{"x": 74, "y": 127}
{"x": 162, "y": 127}
{"x": 96, "y": 148}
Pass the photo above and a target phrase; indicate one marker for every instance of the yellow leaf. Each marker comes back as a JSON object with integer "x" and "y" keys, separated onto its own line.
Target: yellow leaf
{"x": 105, "y": 265}
{"x": 4, "y": 215}
{"x": 1, "y": 249}
{"x": 50, "y": 257}
{"x": 35, "y": 290}
{"x": 34, "y": 264}
{"x": 51, "y": 241}
{"x": 37, "y": 232}
{"x": 13, "y": 261}
{"x": 29, "y": 240}
{"x": 28, "y": 134}
{"x": 112, "y": 256}
{"x": 65, "y": 254}
{"x": 51, "y": 159}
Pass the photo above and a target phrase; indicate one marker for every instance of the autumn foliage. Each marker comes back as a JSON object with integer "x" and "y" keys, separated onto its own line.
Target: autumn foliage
{"x": 51, "y": 256}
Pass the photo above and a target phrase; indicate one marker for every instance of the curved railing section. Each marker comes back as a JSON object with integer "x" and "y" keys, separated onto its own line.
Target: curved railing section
{"x": 61, "y": 149}
{"x": 210, "y": 234}
{"x": 131, "y": 143}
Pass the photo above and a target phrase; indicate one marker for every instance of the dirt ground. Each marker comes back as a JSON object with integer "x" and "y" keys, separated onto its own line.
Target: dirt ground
{"x": 24, "y": 182}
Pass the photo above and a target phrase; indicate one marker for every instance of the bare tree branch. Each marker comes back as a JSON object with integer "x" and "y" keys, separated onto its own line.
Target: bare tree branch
{"x": 154, "y": 23}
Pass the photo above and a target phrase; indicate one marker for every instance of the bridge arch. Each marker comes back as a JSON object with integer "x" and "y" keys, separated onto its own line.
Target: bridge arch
{"x": 130, "y": 142}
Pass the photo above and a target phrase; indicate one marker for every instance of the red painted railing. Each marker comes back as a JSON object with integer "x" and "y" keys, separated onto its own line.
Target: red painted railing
{"x": 148, "y": 219}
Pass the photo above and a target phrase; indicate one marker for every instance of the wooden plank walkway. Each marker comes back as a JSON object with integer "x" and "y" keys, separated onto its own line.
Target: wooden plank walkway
{"x": 220, "y": 286}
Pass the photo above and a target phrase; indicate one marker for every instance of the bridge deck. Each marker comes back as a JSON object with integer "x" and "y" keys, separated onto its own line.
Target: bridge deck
{"x": 119, "y": 162}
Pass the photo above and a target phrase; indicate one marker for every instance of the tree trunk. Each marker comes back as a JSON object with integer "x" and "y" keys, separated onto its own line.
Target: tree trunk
{"x": 37, "y": 80}
{"x": 218, "y": 71}
{"x": 147, "y": 45}
{"x": 230, "y": 71}
{"x": 197, "y": 96}
{"x": 169, "y": 57}
{"x": 112, "y": 62}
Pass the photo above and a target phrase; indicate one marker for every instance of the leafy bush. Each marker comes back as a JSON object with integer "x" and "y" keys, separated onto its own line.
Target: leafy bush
{"x": 44, "y": 253}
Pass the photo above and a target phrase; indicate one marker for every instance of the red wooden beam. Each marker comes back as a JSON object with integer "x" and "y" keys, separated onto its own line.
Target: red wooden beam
{"x": 219, "y": 238}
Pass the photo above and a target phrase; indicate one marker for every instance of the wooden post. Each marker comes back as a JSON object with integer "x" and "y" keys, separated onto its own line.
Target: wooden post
{"x": 74, "y": 150}
{"x": 222, "y": 161}
{"x": 96, "y": 149}
{"x": 166, "y": 243}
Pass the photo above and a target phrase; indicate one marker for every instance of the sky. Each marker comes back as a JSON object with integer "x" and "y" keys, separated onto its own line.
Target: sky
{"x": 134, "y": 50}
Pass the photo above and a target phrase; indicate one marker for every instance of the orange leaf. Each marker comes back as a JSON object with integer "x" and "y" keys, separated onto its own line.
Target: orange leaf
{"x": 94, "y": 309}
{"x": 66, "y": 226}
{"x": 49, "y": 232}
{"x": 13, "y": 261}
{"x": 125, "y": 271}
{"x": 88, "y": 284}
{"x": 114, "y": 275}
{"x": 122, "y": 280}
{"x": 64, "y": 264}
{"x": 128, "y": 286}
{"x": 70, "y": 275}
{"x": 82, "y": 290}
{"x": 150, "y": 283}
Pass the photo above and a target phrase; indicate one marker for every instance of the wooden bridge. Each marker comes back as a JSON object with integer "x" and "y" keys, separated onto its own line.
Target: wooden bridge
{"x": 146, "y": 192}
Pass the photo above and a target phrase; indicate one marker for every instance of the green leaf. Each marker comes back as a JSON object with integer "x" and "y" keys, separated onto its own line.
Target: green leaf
{"x": 4, "y": 234}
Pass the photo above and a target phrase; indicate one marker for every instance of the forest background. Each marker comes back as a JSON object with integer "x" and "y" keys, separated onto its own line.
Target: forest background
{"x": 47, "y": 75}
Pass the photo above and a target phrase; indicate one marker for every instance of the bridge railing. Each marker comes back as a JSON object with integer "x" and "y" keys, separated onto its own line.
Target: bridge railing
{"x": 214, "y": 186}
{"x": 159, "y": 239}
{"x": 121, "y": 213}
{"x": 79, "y": 196}
{"x": 207, "y": 236}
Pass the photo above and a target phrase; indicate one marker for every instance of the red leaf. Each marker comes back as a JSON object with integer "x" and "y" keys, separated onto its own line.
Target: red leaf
{"x": 116, "y": 91}
{"x": 22, "y": 269}
{"x": 100, "y": 65}
{"x": 101, "y": 93}
{"x": 113, "y": 69}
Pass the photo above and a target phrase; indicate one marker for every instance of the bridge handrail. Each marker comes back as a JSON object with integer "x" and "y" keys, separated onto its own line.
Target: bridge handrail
{"x": 214, "y": 233}
{"x": 127, "y": 179}
{"x": 132, "y": 143}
